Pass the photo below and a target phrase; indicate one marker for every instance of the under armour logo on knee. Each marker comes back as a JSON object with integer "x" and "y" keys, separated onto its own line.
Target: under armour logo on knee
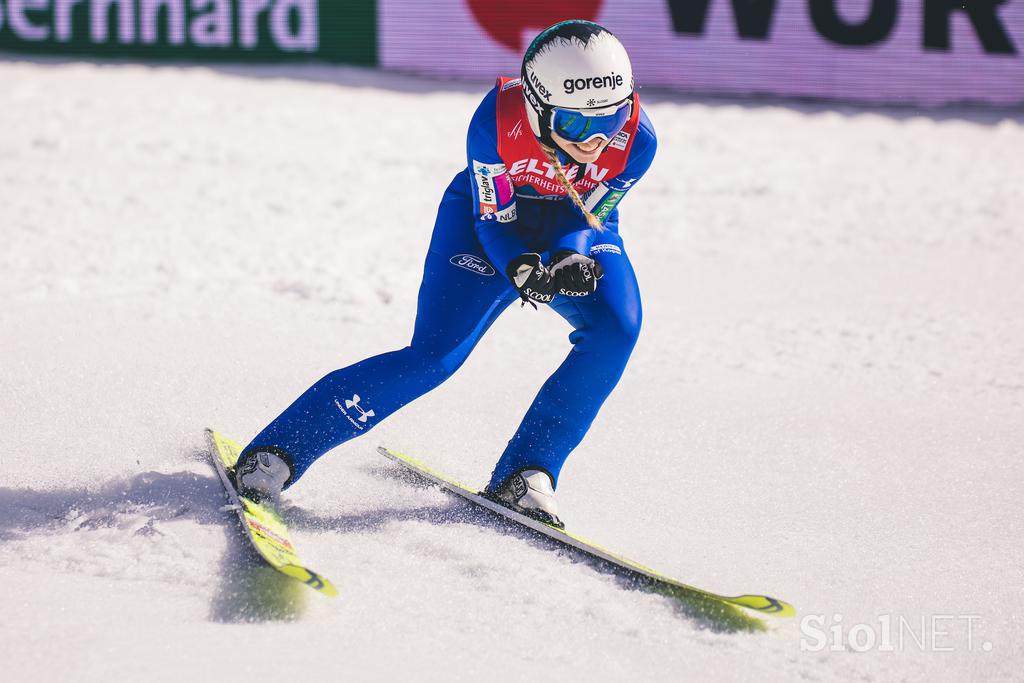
{"x": 354, "y": 403}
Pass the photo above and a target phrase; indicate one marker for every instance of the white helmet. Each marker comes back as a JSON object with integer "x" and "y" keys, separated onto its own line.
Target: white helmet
{"x": 579, "y": 66}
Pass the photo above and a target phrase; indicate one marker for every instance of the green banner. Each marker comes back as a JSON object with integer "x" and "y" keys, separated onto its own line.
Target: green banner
{"x": 194, "y": 30}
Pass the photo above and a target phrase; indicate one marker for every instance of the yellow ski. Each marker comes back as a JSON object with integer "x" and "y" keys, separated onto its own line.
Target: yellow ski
{"x": 261, "y": 522}
{"x": 719, "y": 611}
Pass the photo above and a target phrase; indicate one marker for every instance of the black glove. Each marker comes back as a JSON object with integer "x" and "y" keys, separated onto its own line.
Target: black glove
{"x": 531, "y": 279}
{"x": 574, "y": 274}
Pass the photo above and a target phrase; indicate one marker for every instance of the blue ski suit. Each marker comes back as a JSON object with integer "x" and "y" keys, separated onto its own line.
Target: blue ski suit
{"x": 464, "y": 290}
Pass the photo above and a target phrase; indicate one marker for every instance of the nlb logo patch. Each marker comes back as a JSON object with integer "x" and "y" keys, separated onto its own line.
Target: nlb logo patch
{"x": 472, "y": 263}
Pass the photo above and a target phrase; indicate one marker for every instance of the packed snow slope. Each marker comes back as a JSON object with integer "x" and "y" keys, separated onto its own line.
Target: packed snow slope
{"x": 825, "y": 404}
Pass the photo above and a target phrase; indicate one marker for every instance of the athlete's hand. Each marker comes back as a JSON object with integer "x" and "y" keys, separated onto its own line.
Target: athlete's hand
{"x": 531, "y": 279}
{"x": 575, "y": 274}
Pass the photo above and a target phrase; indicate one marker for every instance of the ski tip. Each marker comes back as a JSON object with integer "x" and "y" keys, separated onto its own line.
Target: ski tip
{"x": 309, "y": 577}
{"x": 765, "y": 605}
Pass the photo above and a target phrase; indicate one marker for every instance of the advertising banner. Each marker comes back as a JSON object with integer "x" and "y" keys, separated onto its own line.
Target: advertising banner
{"x": 195, "y": 30}
{"x": 897, "y": 51}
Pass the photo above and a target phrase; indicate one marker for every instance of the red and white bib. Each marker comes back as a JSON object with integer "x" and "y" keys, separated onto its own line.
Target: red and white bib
{"x": 526, "y": 162}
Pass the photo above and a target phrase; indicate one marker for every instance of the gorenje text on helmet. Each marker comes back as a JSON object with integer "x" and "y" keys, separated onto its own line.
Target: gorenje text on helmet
{"x": 612, "y": 80}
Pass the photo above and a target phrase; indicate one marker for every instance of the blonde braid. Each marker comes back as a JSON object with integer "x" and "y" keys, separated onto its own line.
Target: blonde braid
{"x": 592, "y": 220}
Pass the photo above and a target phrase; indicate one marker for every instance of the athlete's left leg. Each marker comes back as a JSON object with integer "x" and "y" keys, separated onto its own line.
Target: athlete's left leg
{"x": 606, "y": 325}
{"x": 461, "y": 295}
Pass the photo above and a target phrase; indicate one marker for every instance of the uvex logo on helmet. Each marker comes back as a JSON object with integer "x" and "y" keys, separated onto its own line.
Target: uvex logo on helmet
{"x": 612, "y": 80}
{"x": 544, "y": 92}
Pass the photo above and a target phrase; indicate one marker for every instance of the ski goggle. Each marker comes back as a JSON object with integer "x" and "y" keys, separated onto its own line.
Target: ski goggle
{"x": 577, "y": 126}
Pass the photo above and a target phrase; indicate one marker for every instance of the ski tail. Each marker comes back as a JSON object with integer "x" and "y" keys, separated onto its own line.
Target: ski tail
{"x": 262, "y": 523}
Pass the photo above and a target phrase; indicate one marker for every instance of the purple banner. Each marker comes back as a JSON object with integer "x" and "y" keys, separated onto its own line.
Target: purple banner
{"x": 894, "y": 51}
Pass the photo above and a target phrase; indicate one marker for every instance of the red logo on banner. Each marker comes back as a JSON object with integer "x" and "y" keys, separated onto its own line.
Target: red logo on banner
{"x": 506, "y": 21}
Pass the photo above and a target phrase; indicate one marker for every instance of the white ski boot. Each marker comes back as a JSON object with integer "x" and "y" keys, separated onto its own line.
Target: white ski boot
{"x": 261, "y": 475}
{"x": 529, "y": 492}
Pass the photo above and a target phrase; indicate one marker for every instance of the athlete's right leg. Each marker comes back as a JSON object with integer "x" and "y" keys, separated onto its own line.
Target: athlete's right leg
{"x": 461, "y": 295}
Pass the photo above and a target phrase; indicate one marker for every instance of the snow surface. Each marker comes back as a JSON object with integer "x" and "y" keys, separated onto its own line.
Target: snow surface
{"x": 825, "y": 404}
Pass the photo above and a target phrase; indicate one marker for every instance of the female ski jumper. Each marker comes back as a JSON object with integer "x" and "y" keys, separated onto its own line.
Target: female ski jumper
{"x": 505, "y": 203}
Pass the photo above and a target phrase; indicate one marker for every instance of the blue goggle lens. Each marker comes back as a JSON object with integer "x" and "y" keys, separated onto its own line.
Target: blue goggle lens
{"x": 576, "y": 126}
